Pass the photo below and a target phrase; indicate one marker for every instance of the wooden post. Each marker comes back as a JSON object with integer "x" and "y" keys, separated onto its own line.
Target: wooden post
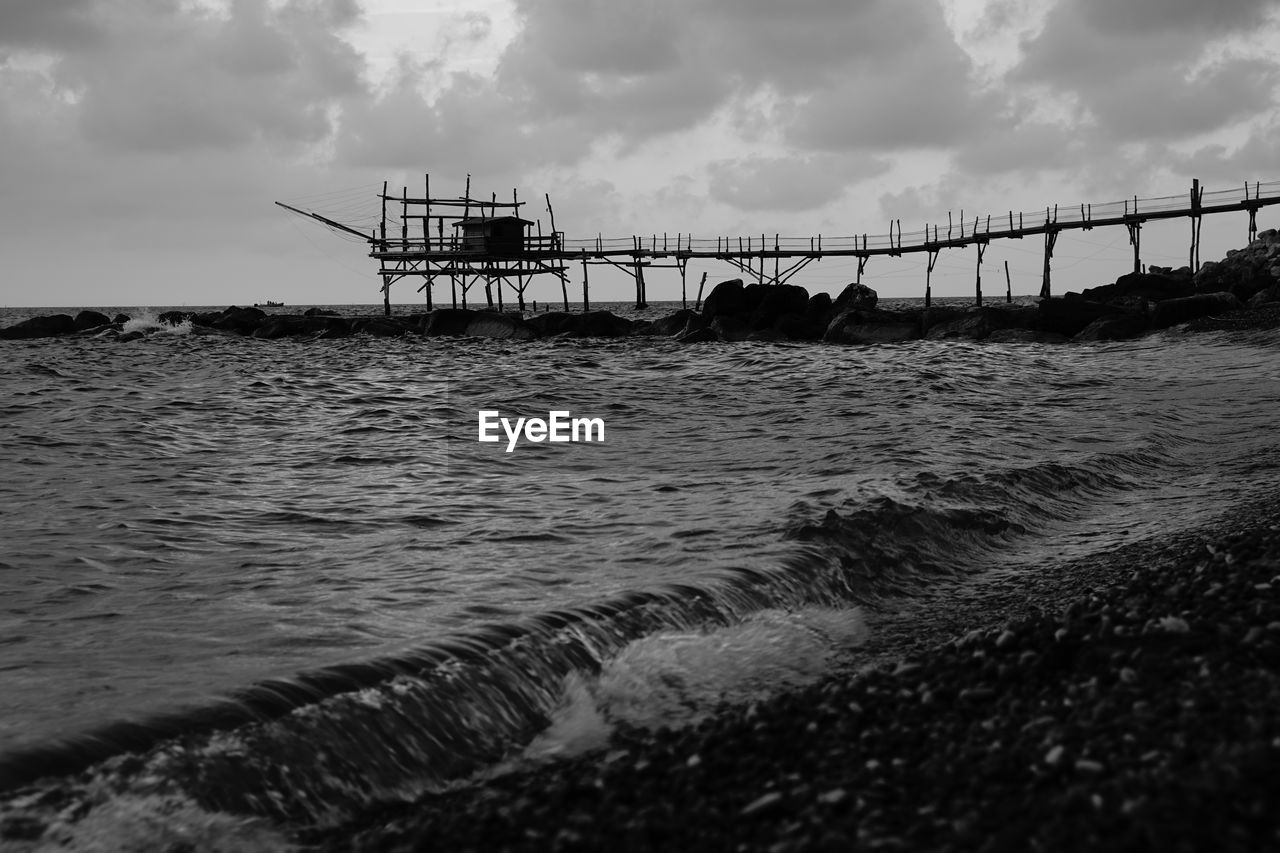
{"x": 1135, "y": 240}
{"x": 862, "y": 264}
{"x": 684, "y": 296}
{"x": 635, "y": 263}
{"x": 555, "y": 240}
{"x": 1008, "y": 284}
{"x": 386, "y": 280}
{"x": 586, "y": 297}
{"x": 1196, "y": 195}
{"x": 982, "y": 249}
{"x": 928, "y": 277}
{"x": 488, "y": 290}
{"x": 564, "y": 289}
{"x": 1050, "y": 240}
{"x": 697, "y": 305}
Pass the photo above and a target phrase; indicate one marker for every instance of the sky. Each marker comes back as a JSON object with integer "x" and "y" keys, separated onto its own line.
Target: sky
{"x": 143, "y": 142}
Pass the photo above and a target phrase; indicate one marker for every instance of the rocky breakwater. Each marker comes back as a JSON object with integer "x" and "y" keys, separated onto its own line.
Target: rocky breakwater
{"x": 1240, "y": 291}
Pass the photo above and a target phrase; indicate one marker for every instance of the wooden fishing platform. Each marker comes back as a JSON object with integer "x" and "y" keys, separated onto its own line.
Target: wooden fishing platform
{"x": 488, "y": 241}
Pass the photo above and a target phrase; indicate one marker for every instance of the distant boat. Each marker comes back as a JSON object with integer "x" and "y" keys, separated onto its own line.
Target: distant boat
{"x": 269, "y": 304}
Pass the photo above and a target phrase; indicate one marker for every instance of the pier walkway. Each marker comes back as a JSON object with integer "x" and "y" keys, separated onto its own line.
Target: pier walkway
{"x": 490, "y": 242}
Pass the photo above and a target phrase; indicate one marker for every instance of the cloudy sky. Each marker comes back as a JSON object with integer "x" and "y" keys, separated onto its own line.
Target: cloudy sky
{"x": 142, "y": 142}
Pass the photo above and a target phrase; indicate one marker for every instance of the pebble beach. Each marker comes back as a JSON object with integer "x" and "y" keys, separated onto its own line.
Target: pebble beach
{"x": 1125, "y": 701}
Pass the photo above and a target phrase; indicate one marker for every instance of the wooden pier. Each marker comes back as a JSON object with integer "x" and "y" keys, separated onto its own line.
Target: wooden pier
{"x": 488, "y": 241}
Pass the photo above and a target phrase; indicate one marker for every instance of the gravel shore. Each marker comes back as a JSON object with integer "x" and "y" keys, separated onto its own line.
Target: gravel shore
{"x": 1127, "y": 701}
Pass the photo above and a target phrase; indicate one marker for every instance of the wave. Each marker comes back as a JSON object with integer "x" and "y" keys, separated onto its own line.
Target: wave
{"x": 326, "y": 744}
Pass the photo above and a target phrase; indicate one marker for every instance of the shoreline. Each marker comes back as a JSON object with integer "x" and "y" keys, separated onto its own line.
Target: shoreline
{"x": 1125, "y": 699}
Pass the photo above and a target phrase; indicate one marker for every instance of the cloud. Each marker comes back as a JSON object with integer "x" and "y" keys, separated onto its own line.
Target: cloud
{"x": 1141, "y": 70}
{"x": 40, "y": 25}
{"x": 159, "y": 76}
{"x": 787, "y": 183}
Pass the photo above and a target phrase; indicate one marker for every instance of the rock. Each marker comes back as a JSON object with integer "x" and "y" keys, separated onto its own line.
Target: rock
{"x": 120, "y": 319}
{"x": 697, "y": 336}
{"x": 852, "y": 327}
{"x": 293, "y": 325}
{"x": 450, "y": 322}
{"x": 727, "y": 297}
{"x": 801, "y": 327}
{"x": 1265, "y": 297}
{"x": 678, "y": 322}
{"x": 1069, "y": 316}
{"x": 1119, "y": 328}
{"x": 40, "y": 327}
{"x": 381, "y": 327}
{"x": 974, "y": 324}
{"x": 242, "y": 320}
{"x": 551, "y": 323}
{"x": 486, "y": 324}
{"x": 1174, "y": 311}
{"x": 592, "y": 324}
{"x": 1153, "y": 286}
{"x": 600, "y": 324}
{"x": 319, "y": 312}
{"x": 819, "y": 304}
{"x": 855, "y": 296}
{"x": 730, "y": 328}
{"x": 777, "y": 300}
{"x": 91, "y": 320}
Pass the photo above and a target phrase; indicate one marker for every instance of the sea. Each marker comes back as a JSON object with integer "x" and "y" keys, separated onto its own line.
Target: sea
{"x": 253, "y": 589}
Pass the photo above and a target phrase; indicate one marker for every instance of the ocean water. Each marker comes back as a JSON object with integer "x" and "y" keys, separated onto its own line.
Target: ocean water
{"x": 249, "y": 587}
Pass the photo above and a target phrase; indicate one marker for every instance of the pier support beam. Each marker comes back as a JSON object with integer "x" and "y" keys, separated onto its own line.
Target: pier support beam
{"x": 1050, "y": 240}
{"x": 1135, "y": 240}
{"x": 982, "y": 250}
{"x": 586, "y": 294}
{"x": 928, "y": 276}
{"x": 1197, "y": 195}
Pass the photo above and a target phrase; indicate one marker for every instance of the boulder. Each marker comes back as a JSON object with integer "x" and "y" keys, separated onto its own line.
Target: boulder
{"x": 800, "y": 327}
{"x": 1265, "y": 297}
{"x": 600, "y": 324}
{"x": 487, "y": 324}
{"x": 381, "y": 327}
{"x": 1153, "y": 286}
{"x": 974, "y": 325}
{"x": 727, "y": 297}
{"x": 120, "y": 319}
{"x": 551, "y": 323}
{"x": 40, "y": 327}
{"x": 242, "y": 320}
{"x": 852, "y": 327}
{"x": 676, "y": 323}
{"x": 1121, "y": 327}
{"x": 1174, "y": 311}
{"x": 819, "y": 304}
{"x": 777, "y": 300}
{"x": 855, "y": 296}
{"x": 1069, "y": 315}
{"x": 91, "y": 320}
{"x": 729, "y": 328}
{"x": 319, "y": 312}
{"x": 451, "y": 322}
{"x": 700, "y": 335}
